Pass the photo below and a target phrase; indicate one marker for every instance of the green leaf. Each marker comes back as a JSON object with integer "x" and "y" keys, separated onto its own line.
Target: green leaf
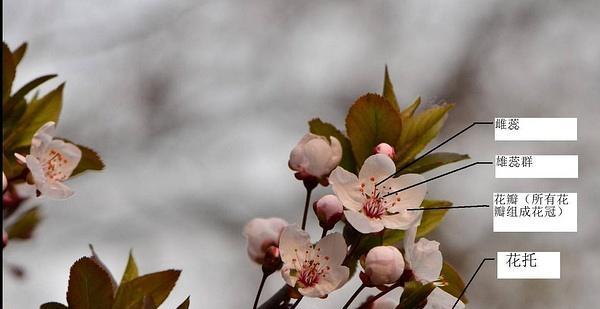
{"x": 10, "y": 166}
{"x": 89, "y": 286}
{"x": 434, "y": 160}
{"x": 25, "y": 224}
{"x": 23, "y": 91}
{"x": 185, "y": 304}
{"x": 372, "y": 120}
{"x": 19, "y": 53}
{"x": 432, "y": 218}
{"x": 321, "y": 128}
{"x": 38, "y": 112}
{"x": 90, "y": 160}
{"x": 418, "y": 131}
{"x": 410, "y": 111}
{"x": 415, "y": 295}
{"x": 53, "y": 305}
{"x": 156, "y": 285}
{"x": 388, "y": 90}
{"x": 455, "y": 284}
{"x": 131, "y": 270}
{"x": 9, "y": 68}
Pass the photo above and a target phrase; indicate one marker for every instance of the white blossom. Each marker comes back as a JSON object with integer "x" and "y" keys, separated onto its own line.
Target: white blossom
{"x": 315, "y": 270}
{"x": 50, "y": 162}
{"x": 369, "y": 208}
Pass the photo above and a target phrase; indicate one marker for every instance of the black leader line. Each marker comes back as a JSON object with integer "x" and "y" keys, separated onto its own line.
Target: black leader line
{"x": 433, "y": 149}
{"x": 452, "y": 207}
{"x": 471, "y": 280}
{"x": 438, "y": 176}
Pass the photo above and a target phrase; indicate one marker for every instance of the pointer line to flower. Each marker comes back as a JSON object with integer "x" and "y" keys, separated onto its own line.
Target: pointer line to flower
{"x": 438, "y": 176}
{"x": 470, "y": 280}
{"x": 451, "y": 207}
{"x": 433, "y": 149}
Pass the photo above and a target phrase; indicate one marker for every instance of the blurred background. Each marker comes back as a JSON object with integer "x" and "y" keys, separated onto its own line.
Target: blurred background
{"x": 195, "y": 105}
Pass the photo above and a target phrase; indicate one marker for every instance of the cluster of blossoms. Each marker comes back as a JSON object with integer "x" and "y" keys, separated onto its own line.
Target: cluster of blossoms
{"x": 369, "y": 202}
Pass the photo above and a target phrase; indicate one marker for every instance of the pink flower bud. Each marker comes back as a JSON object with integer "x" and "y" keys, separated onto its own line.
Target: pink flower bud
{"x": 386, "y": 149}
{"x": 315, "y": 157}
{"x": 262, "y": 234}
{"x": 385, "y": 303}
{"x": 384, "y": 265}
{"x": 329, "y": 210}
{"x": 4, "y": 182}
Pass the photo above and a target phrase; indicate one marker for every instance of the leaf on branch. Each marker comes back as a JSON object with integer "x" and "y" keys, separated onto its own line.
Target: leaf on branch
{"x": 388, "y": 90}
{"x": 98, "y": 261}
{"x": 455, "y": 284}
{"x": 9, "y": 68}
{"x": 53, "y": 305}
{"x": 434, "y": 160}
{"x": 131, "y": 270}
{"x": 185, "y": 304}
{"x": 325, "y": 129}
{"x": 410, "y": 111}
{"x": 89, "y": 286}
{"x": 19, "y": 53}
{"x": 372, "y": 120}
{"x": 38, "y": 112}
{"x": 419, "y": 130}
{"x": 90, "y": 161}
{"x": 156, "y": 285}
{"x": 432, "y": 218}
{"x": 25, "y": 224}
{"x": 415, "y": 295}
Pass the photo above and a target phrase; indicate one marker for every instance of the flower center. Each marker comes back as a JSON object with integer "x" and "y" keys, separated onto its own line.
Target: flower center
{"x": 310, "y": 269}
{"x": 375, "y": 206}
{"x": 54, "y": 165}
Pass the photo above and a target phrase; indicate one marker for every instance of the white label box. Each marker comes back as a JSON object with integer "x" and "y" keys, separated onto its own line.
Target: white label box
{"x": 537, "y": 166}
{"x": 528, "y": 265}
{"x": 535, "y": 129}
{"x": 535, "y": 212}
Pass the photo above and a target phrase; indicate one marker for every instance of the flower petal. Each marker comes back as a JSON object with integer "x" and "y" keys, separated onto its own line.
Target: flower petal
{"x": 336, "y": 153}
{"x": 55, "y": 190}
{"x": 440, "y": 299}
{"x": 318, "y": 153}
{"x": 378, "y": 166}
{"x": 346, "y": 187}
{"x": 361, "y": 223}
{"x": 35, "y": 168}
{"x": 334, "y": 247}
{"x": 293, "y": 243}
{"x": 401, "y": 221}
{"x": 427, "y": 260}
{"x": 411, "y": 198}
{"x": 71, "y": 155}
{"x": 328, "y": 283}
{"x": 42, "y": 139}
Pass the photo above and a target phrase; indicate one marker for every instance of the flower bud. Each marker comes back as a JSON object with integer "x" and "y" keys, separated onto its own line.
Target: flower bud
{"x": 272, "y": 260}
{"x": 386, "y": 149}
{"x": 385, "y": 303}
{"x": 4, "y": 182}
{"x": 384, "y": 265}
{"x": 315, "y": 157}
{"x": 329, "y": 210}
{"x": 261, "y": 235}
